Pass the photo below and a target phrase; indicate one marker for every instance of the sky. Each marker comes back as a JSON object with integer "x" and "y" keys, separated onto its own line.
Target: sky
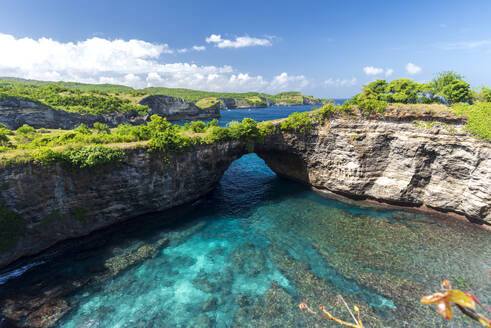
{"x": 324, "y": 48}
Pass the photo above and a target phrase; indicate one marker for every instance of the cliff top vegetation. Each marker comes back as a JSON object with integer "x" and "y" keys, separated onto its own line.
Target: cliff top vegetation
{"x": 109, "y": 98}
{"x": 399, "y": 99}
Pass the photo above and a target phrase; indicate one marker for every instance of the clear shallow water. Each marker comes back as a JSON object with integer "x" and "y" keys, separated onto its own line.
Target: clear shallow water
{"x": 250, "y": 251}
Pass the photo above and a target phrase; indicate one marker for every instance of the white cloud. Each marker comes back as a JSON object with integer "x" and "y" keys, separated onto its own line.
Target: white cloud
{"x": 340, "y": 82}
{"x": 371, "y": 70}
{"x": 194, "y": 48}
{"x": 466, "y": 45}
{"x": 413, "y": 69}
{"x": 239, "y": 42}
{"x": 134, "y": 62}
{"x": 287, "y": 82}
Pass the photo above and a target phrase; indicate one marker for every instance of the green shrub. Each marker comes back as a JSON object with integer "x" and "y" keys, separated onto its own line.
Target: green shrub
{"x": 217, "y": 134}
{"x": 82, "y": 129}
{"x": 197, "y": 126}
{"x": 101, "y": 127}
{"x": 369, "y": 106}
{"x": 479, "y": 118}
{"x": 267, "y": 128}
{"x": 212, "y": 123}
{"x": 329, "y": 110}
{"x": 25, "y": 134}
{"x": 404, "y": 91}
{"x": 457, "y": 91}
{"x": 46, "y": 155}
{"x": 93, "y": 155}
{"x": 483, "y": 94}
{"x": 300, "y": 122}
{"x": 170, "y": 140}
{"x": 158, "y": 124}
{"x": 26, "y": 129}
{"x": 246, "y": 130}
{"x": 4, "y": 139}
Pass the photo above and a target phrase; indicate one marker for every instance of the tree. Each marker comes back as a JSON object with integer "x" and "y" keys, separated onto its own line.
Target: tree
{"x": 457, "y": 91}
{"x": 483, "y": 94}
{"x": 101, "y": 127}
{"x": 404, "y": 91}
{"x": 444, "y": 78}
{"x": 158, "y": 124}
{"x": 374, "y": 90}
{"x": 82, "y": 129}
{"x": 451, "y": 87}
{"x": 197, "y": 126}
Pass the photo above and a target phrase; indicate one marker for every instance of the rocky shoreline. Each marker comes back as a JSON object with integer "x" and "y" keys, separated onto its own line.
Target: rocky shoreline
{"x": 15, "y": 112}
{"x": 390, "y": 160}
{"x": 46, "y": 204}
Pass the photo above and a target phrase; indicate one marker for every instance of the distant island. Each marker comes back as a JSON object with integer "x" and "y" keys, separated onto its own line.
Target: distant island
{"x": 65, "y": 105}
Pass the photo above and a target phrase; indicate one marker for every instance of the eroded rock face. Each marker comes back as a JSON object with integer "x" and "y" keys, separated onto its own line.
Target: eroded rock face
{"x": 176, "y": 109}
{"x": 15, "y": 112}
{"x": 389, "y": 160}
{"x": 59, "y": 203}
{"x": 235, "y": 103}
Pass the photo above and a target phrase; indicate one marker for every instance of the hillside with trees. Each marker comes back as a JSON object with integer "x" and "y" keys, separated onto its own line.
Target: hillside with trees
{"x": 108, "y": 98}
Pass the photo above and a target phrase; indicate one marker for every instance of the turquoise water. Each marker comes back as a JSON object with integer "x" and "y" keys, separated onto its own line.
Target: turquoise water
{"x": 245, "y": 256}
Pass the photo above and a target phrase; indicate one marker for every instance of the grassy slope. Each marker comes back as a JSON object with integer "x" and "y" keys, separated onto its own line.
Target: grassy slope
{"x": 43, "y": 92}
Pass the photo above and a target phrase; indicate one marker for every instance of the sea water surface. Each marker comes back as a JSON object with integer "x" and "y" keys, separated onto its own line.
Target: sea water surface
{"x": 250, "y": 251}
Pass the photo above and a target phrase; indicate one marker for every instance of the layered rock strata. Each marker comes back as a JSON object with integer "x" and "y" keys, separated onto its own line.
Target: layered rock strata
{"x": 52, "y": 203}
{"x": 176, "y": 109}
{"x": 390, "y": 160}
{"x": 15, "y": 112}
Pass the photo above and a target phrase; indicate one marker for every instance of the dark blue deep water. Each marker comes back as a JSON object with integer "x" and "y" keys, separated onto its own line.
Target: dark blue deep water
{"x": 246, "y": 254}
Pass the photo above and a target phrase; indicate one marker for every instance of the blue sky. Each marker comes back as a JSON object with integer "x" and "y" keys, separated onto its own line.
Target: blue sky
{"x": 324, "y": 48}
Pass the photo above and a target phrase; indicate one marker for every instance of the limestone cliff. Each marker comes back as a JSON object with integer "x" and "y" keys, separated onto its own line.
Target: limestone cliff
{"x": 237, "y": 103}
{"x": 14, "y": 112}
{"x": 390, "y": 160}
{"x": 58, "y": 203}
{"x": 176, "y": 109}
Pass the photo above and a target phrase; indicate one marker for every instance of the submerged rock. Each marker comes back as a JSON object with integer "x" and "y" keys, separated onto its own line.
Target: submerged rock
{"x": 202, "y": 321}
{"x": 276, "y": 308}
{"x": 243, "y": 300}
{"x": 40, "y": 306}
{"x": 121, "y": 262}
{"x": 210, "y": 304}
{"x": 82, "y": 201}
{"x": 248, "y": 259}
{"x": 48, "y": 314}
{"x": 205, "y": 285}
